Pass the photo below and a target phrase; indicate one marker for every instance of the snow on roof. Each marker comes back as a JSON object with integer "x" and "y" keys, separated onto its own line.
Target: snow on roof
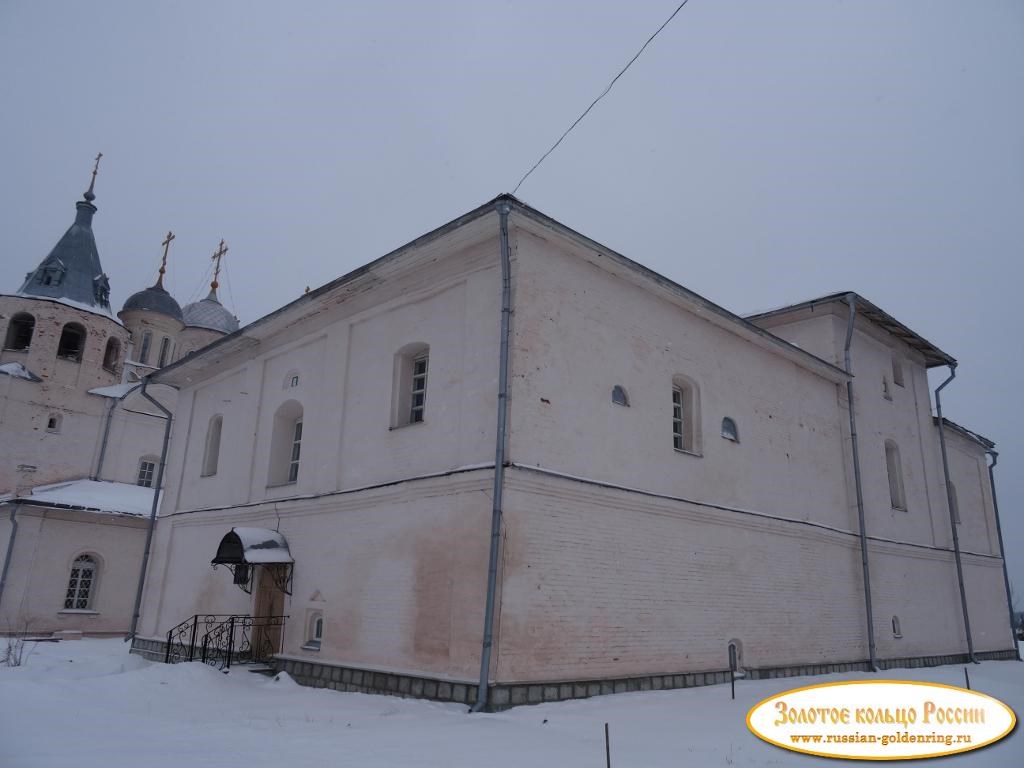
{"x": 262, "y": 545}
{"x": 95, "y": 310}
{"x": 18, "y": 371}
{"x": 116, "y": 391}
{"x": 94, "y": 496}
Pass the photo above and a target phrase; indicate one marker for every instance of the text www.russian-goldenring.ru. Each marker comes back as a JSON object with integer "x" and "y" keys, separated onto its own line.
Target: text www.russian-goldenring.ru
{"x": 885, "y": 740}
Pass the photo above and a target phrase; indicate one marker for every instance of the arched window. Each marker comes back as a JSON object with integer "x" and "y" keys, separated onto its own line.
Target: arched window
{"x": 112, "y": 355}
{"x": 81, "y": 594}
{"x": 314, "y": 631}
{"x": 53, "y": 422}
{"x": 286, "y": 444}
{"x": 410, "y": 384}
{"x": 896, "y": 627}
{"x": 954, "y": 503}
{"x": 619, "y": 396}
{"x": 729, "y": 431}
{"x": 147, "y": 342}
{"x": 19, "y": 331}
{"x": 72, "y": 343}
{"x": 894, "y": 468}
{"x": 685, "y": 415}
{"x": 165, "y": 352}
{"x": 211, "y": 453}
{"x": 147, "y": 471}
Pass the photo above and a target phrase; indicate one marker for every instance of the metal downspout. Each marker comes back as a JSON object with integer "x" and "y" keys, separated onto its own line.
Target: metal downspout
{"x": 153, "y": 509}
{"x": 503, "y": 208}
{"x": 1002, "y": 552}
{"x": 10, "y": 549}
{"x": 851, "y": 299}
{"x": 949, "y": 504}
{"x": 106, "y": 436}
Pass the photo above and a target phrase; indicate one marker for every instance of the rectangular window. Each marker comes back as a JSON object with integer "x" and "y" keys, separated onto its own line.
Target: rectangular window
{"x": 419, "y": 389}
{"x": 146, "y": 471}
{"x": 147, "y": 339}
{"x": 293, "y": 466}
{"x": 165, "y": 351}
{"x": 677, "y": 418}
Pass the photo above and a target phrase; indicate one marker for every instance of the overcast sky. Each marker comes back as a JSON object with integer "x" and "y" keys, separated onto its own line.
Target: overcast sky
{"x": 758, "y": 153}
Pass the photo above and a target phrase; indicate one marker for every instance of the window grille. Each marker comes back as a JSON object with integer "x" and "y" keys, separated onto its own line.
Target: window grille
{"x": 147, "y": 470}
{"x": 80, "y": 585}
{"x": 419, "y": 389}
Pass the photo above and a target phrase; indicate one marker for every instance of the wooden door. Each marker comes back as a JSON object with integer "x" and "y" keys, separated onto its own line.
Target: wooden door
{"x": 269, "y": 603}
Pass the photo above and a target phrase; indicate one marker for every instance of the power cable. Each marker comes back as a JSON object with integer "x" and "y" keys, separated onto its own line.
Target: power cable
{"x": 603, "y": 94}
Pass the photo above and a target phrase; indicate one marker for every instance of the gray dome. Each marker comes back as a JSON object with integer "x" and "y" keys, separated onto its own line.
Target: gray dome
{"x": 154, "y": 299}
{"x": 211, "y": 314}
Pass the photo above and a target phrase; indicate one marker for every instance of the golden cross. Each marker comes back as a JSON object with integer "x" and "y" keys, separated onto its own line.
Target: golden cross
{"x": 166, "y": 244}
{"x": 89, "y": 194}
{"x": 217, "y": 256}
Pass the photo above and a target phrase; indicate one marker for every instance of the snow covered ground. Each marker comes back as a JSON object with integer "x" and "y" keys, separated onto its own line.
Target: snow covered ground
{"x": 89, "y": 704}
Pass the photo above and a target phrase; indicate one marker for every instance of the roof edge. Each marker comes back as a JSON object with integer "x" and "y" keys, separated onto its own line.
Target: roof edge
{"x": 934, "y": 356}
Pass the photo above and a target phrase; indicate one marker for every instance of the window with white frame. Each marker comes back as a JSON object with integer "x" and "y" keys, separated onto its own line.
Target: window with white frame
{"x": 895, "y": 471}
{"x": 293, "y": 463}
{"x": 211, "y": 452}
{"x": 147, "y": 471}
{"x": 314, "y": 631}
{"x": 410, "y": 385}
{"x": 685, "y": 415}
{"x": 285, "y": 444}
{"x": 81, "y": 591}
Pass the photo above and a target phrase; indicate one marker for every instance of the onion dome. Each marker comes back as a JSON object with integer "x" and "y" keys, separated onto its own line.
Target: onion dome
{"x": 209, "y": 313}
{"x": 154, "y": 299}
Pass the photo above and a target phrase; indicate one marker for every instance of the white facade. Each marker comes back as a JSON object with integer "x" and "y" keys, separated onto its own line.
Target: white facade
{"x": 621, "y": 556}
{"x": 71, "y": 410}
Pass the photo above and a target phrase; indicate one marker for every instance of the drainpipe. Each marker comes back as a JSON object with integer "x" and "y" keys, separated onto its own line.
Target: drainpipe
{"x": 952, "y": 520}
{"x": 851, "y": 299}
{"x": 153, "y": 509}
{"x": 106, "y": 436}
{"x": 1002, "y": 552}
{"x": 503, "y": 208}
{"x": 10, "y": 549}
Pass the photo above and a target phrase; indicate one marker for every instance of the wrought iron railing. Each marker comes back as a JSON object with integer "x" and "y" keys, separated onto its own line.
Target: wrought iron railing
{"x": 242, "y": 640}
{"x": 221, "y": 639}
{"x": 181, "y": 640}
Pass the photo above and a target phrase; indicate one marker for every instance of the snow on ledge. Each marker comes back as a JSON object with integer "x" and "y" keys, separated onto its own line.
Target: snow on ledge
{"x": 94, "y": 496}
{"x": 115, "y": 391}
{"x": 19, "y": 371}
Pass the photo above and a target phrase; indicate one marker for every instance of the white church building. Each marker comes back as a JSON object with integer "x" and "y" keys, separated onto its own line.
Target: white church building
{"x": 505, "y": 464}
{"x": 80, "y": 442}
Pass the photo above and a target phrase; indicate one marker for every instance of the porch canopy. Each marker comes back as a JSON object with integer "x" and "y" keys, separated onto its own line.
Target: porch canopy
{"x": 252, "y": 546}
